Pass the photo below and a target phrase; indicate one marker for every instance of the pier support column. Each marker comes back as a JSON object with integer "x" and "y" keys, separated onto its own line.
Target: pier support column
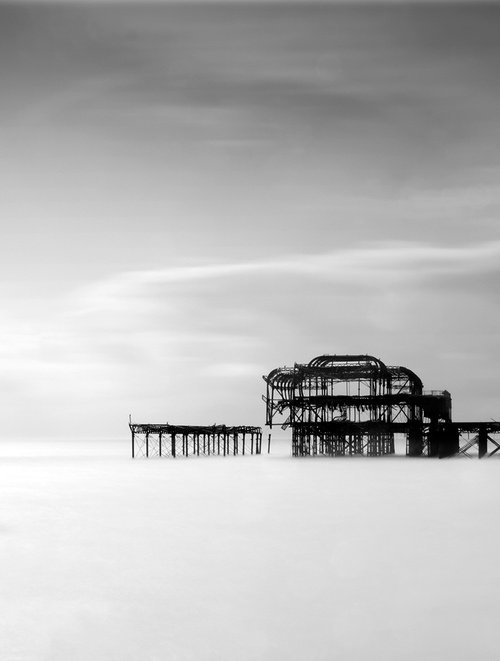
{"x": 482, "y": 441}
{"x": 449, "y": 441}
{"x": 433, "y": 440}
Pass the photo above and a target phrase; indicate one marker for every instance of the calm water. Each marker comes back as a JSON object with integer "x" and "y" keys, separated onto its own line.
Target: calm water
{"x": 246, "y": 558}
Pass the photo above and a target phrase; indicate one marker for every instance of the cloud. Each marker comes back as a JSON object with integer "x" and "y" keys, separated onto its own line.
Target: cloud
{"x": 191, "y": 342}
{"x": 370, "y": 266}
{"x": 236, "y": 314}
{"x": 398, "y": 95}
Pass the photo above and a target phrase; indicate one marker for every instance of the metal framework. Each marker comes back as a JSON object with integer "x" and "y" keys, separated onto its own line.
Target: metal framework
{"x": 477, "y": 438}
{"x": 157, "y": 440}
{"x": 355, "y": 404}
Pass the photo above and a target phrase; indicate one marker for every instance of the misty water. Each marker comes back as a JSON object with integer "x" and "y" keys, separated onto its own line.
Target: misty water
{"x": 245, "y": 558}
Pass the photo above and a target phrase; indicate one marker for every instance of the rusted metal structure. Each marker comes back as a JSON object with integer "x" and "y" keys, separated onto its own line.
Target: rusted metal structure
{"x": 158, "y": 440}
{"x": 355, "y": 404}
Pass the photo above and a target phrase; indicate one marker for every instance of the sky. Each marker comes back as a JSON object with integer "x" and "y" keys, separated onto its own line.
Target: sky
{"x": 193, "y": 195}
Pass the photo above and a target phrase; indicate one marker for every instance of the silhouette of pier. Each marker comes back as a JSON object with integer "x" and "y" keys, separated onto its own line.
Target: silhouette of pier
{"x": 339, "y": 405}
{"x": 164, "y": 440}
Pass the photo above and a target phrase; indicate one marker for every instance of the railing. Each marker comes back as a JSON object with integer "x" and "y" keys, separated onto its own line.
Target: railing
{"x": 436, "y": 393}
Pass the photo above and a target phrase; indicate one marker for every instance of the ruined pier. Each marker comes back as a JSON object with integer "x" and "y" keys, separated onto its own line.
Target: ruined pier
{"x": 339, "y": 405}
{"x": 165, "y": 440}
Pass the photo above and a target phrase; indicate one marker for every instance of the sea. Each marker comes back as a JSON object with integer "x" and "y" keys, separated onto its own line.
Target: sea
{"x": 254, "y": 558}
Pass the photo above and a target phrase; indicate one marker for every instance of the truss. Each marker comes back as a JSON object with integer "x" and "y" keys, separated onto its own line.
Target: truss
{"x": 478, "y": 439}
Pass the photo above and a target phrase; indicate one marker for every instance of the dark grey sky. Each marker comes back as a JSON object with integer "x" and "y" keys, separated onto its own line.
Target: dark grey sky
{"x": 195, "y": 194}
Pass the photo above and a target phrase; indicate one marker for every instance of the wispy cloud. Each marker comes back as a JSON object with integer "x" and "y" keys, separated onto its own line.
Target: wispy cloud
{"x": 142, "y": 339}
{"x": 371, "y": 266}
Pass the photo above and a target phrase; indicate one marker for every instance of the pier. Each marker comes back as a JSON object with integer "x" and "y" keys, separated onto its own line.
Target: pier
{"x": 339, "y": 405}
{"x": 165, "y": 440}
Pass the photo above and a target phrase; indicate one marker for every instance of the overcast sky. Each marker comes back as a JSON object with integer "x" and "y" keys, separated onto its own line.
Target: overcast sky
{"x": 194, "y": 195}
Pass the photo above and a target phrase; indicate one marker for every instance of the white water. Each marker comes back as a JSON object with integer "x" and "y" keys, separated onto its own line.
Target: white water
{"x": 245, "y": 558}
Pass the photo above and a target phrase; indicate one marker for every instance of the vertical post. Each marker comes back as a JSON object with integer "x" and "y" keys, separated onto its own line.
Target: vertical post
{"x": 414, "y": 440}
{"x": 133, "y": 443}
{"x": 172, "y": 440}
{"x": 449, "y": 441}
{"x": 243, "y": 442}
{"x": 251, "y": 443}
{"x": 269, "y": 444}
{"x": 482, "y": 441}
{"x": 147, "y": 444}
{"x": 159, "y": 443}
{"x": 432, "y": 438}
